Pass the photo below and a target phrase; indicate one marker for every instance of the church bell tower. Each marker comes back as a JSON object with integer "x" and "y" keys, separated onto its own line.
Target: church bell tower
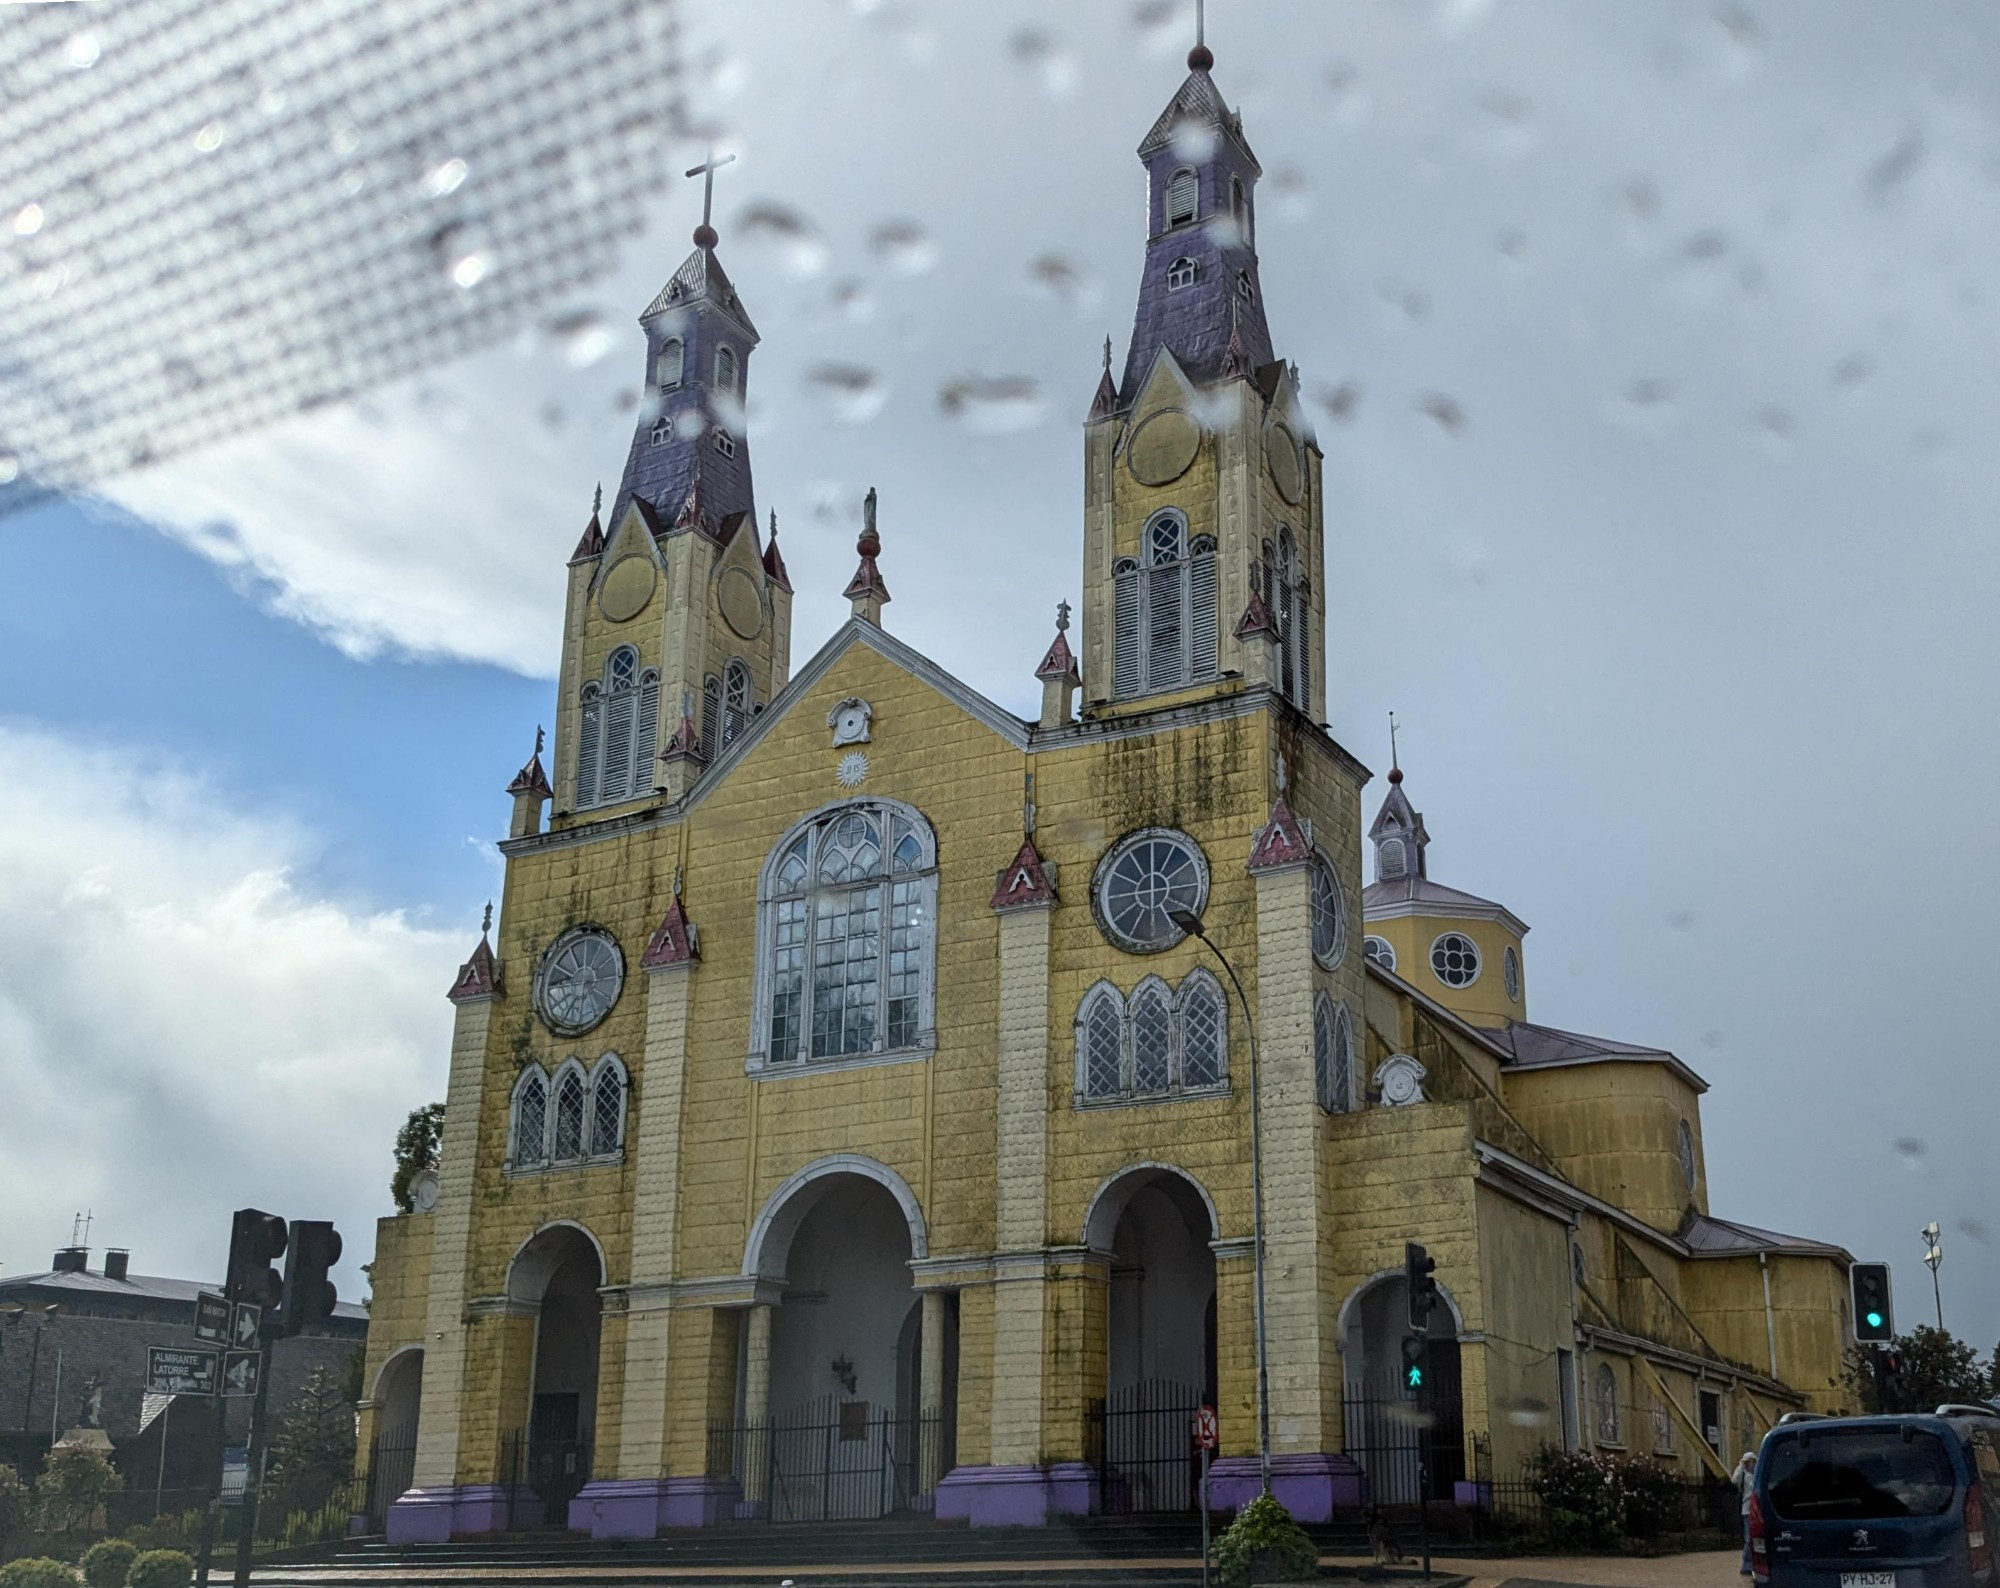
{"x": 1203, "y": 540}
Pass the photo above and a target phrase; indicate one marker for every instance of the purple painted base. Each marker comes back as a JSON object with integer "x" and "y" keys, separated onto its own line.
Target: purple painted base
{"x": 1309, "y": 1485}
{"x": 1016, "y": 1496}
{"x": 431, "y": 1516}
{"x": 646, "y": 1507}
{"x": 1473, "y": 1495}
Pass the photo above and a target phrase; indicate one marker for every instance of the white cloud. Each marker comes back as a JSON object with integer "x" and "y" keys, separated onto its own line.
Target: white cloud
{"x": 184, "y": 1027}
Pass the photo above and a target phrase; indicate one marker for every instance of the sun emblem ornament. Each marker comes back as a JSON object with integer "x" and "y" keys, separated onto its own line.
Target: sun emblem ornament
{"x": 852, "y": 771}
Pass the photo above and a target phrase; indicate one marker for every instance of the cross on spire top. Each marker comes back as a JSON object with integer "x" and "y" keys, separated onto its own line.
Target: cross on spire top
{"x": 1200, "y": 58}
{"x": 704, "y": 234}
{"x": 1395, "y": 768}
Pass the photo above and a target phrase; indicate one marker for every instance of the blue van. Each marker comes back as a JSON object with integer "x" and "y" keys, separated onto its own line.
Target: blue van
{"x": 1879, "y": 1502}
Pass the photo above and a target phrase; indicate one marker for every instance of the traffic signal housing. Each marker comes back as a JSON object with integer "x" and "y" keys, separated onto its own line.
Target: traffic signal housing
{"x": 308, "y": 1294}
{"x": 1418, "y": 1267}
{"x": 1416, "y": 1353}
{"x": 256, "y": 1240}
{"x": 1874, "y": 1318}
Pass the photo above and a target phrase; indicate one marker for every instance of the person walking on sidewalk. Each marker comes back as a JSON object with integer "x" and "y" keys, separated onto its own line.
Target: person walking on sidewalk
{"x": 1745, "y": 1479}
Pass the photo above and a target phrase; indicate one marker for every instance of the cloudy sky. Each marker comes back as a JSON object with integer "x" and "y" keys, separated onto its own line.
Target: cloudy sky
{"x": 1650, "y": 347}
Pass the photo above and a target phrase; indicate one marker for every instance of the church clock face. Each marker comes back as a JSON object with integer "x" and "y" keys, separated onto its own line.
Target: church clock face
{"x": 579, "y": 980}
{"x": 1141, "y": 881}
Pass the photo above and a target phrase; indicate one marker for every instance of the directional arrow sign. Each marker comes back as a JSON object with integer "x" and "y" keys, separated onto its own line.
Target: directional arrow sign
{"x": 178, "y": 1370}
{"x": 244, "y": 1322}
{"x": 239, "y": 1372}
{"x": 211, "y": 1318}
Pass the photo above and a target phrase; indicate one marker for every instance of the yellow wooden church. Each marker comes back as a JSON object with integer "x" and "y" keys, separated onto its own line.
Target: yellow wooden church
{"x": 852, "y": 1113}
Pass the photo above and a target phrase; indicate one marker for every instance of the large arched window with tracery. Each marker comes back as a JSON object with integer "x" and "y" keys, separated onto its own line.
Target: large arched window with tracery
{"x": 615, "y": 735}
{"x": 847, "y": 917}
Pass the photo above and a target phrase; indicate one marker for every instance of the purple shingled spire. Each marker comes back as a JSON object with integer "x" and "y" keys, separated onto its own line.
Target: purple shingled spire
{"x": 698, "y": 343}
{"x": 1200, "y": 285}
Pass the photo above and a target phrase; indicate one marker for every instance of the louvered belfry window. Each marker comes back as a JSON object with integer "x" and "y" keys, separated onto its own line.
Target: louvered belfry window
{"x": 615, "y": 739}
{"x": 1166, "y": 617}
{"x": 1183, "y": 197}
{"x": 1285, "y": 596}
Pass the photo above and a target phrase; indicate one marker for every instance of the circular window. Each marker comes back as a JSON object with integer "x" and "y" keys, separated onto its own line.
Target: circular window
{"x": 1329, "y": 914}
{"x": 1378, "y": 949}
{"x": 579, "y": 980}
{"x": 1141, "y": 881}
{"x": 1687, "y": 1157}
{"x": 1510, "y": 972}
{"x": 1455, "y": 960}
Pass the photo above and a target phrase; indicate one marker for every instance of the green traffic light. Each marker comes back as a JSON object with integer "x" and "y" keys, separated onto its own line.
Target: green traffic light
{"x": 1874, "y": 1320}
{"x": 1416, "y": 1378}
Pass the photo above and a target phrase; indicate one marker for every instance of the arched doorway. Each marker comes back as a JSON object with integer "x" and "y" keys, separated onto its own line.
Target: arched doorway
{"x": 558, "y": 1273}
{"x": 1156, "y": 1225}
{"x": 854, "y": 1426}
{"x": 1405, "y": 1444}
{"x": 392, "y": 1454}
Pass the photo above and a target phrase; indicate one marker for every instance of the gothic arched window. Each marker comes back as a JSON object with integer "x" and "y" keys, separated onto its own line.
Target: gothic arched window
{"x": 671, "y": 365}
{"x": 1610, "y": 1427}
{"x": 738, "y": 701}
{"x": 615, "y": 738}
{"x": 528, "y": 1129}
{"x": 1183, "y": 272}
{"x": 567, "y": 1138}
{"x": 1156, "y": 1044}
{"x": 1165, "y": 612}
{"x": 1183, "y": 197}
{"x": 1285, "y": 598}
{"x": 607, "y": 1106}
{"x": 1333, "y": 1055}
{"x": 847, "y": 925}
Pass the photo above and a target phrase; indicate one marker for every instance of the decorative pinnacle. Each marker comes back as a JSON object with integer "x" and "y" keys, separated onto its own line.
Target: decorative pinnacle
{"x": 1107, "y": 355}
{"x": 774, "y": 523}
{"x": 704, "y": 234}
{"x": 486, "y": 922}
{"x": 597, "y": 501}
{"x": 870, "y": 543}
{"x": 1062, "y": 617}
{"x": 538, "y": 738}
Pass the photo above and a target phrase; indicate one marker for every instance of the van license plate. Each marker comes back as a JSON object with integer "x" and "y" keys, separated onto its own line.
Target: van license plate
{"x": 1867, "y": 1579}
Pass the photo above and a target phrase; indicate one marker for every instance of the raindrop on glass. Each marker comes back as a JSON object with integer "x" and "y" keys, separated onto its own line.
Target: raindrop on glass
{"x": 1649, "y": 392}
{"x": 796, "y": 240}
{"x": 351, "y": 180}
{"x": 1711, "y": 1040}
{"x": 1413, "y": 300}
{"x": 1681, "y": 920}
{"x": 461, "y": 253}
{"x": 1343, "y": 90}
{"x": 993, "y": 404}
{"x": 1642, "y": 198}
{"x": 1161, "y": 24}
{"x": 903, "y": 247}
{"x": 852, "y": 300}
{"x": 582, "y": 336}
{"x": 1975, "y": 1230}
{"x": 1852, "y": 371}
{"x": 1194, "y": 141}
{"x": 1703, "y": 247}
{"x": 1450, "y": 417}
{"x": 1910, "y": 1149}
{"x": 1044, "y": 54}
{"x": 1776, "y": 424}
{"x": 344, "y": 140}
{"x": 554, "y": 417}
{"x": 10, "y": 468}
{"x": 209, "y": 139}
{"x": 1291, "y": 198}
{"x": 448, "y": 176}
{"x": 272, "y": 101}
{"x": 80, "y": 52}
{"x": 856, "y": 392}
{"x": 27, "y": 220}
{"x": 1896, "y": 166}
{"x": 1065, "y": 279}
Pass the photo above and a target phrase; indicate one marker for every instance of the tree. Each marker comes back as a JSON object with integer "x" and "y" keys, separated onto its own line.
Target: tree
{"x": 312, "y": 1447}
{"x": 416, "y": 1150}
{"x": 75, "y": 1484}
{"x": 1934, "y": 1367}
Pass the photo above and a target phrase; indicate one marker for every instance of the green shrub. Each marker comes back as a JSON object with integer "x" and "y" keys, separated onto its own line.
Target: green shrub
{"x": 13, "y": 1506}
{"x": 37, "y": 1572}
{"x": 1263, "y": 1544}
{"x": 106, "y": 1562}
{"x": 1598, "y": 1501}
{"x": 75, "y": 1484}
{"x": 161, "y": 1568}
{"x": 169, "y": 1530}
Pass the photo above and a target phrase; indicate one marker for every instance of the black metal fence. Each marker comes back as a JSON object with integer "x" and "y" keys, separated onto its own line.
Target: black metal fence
{"x": 832, "y": 1460}
{"x": 1409, "y": 1449}
{"x": 392, "y": 1465}
{"x": 1141, "y": 1440}
{"x": 541, "y": 1477}
{"x": 1679, "y": 1506}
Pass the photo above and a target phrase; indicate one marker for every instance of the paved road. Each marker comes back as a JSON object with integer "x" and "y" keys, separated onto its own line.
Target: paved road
{"x": 1717, "y": 1570}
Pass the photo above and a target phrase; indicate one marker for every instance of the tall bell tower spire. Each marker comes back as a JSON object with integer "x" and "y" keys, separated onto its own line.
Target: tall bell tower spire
{"x": 1202, "y": 537}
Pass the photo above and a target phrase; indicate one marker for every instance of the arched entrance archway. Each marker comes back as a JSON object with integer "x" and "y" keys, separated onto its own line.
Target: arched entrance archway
{"x": 1156, "y": 1224}
{"x": 1404, "y": 1444}
{"x": 392, "y": 1452}
{"x": 847, "y": 1418}
{"x": 558, "y": 1273}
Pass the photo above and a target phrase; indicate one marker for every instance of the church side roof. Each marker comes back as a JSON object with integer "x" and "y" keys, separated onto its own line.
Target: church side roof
{"x": 1707, "y": 1236}
{"x": 1533, "y": 1047}
{"x": 1414, "y": 895}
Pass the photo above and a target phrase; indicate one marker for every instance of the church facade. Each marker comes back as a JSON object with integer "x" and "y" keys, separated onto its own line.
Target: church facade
{"x": 853, "y": 1113}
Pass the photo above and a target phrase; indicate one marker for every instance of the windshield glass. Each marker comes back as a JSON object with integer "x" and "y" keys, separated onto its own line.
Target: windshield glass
{"x": 1861, "y": 1473}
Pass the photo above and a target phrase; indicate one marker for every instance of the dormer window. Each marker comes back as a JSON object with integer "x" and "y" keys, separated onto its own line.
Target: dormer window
{"x": 671, "y": 365}
{"x": 1183, "y": 197}
{"x": 1392, "y": 860}
{"x": 725, "y": 443}
{"x": 725, "y": 369}
{"x": 662, "y": 431}
{"x": 1182, "y": 273}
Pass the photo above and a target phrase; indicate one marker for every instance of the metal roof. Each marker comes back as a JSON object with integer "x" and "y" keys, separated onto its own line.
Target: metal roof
{"x": 137, "y": 1287}
{"x": 1707, "y": 1236}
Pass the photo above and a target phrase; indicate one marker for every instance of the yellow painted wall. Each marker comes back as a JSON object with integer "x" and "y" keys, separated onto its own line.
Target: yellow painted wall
{"x": 1614, "y": 1128}
{"x": 1485, "y": 1002}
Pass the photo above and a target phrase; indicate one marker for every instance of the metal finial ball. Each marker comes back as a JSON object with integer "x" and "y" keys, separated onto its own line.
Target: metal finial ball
{"x": 706, "y": 236}
{"x": 1200, "y": 58}
{"x": 1395, "y": 774}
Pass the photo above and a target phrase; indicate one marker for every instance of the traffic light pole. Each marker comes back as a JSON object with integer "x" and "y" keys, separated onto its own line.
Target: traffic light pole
{"x": 205, "y": 1550}
{"x": 254, "y": 1474}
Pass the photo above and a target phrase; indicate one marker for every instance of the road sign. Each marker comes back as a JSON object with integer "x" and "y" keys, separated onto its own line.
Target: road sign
{"x": 239, "y": 1372}
{"x": 211, "y": 1318}
{"x": 1206, "y": 1434}
{"x": 245, "y": 1319}
{"x": 180, "y": 1370}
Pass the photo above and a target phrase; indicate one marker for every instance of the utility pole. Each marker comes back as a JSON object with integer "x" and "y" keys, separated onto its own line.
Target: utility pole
{"x": 1933, "y": 1258}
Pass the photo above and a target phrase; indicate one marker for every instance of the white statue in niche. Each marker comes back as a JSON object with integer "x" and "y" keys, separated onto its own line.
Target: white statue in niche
{"x": 849, "y": 721}
{"x": 1400, "y": 1081}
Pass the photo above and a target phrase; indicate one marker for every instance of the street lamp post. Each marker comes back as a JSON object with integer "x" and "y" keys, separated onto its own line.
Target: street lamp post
{"x": 1933, "y": 1256}
{"x": 1190, "y": 923}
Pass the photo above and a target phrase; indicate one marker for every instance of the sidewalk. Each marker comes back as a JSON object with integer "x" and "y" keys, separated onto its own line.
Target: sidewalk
{"x": 1707, "y": 1570}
